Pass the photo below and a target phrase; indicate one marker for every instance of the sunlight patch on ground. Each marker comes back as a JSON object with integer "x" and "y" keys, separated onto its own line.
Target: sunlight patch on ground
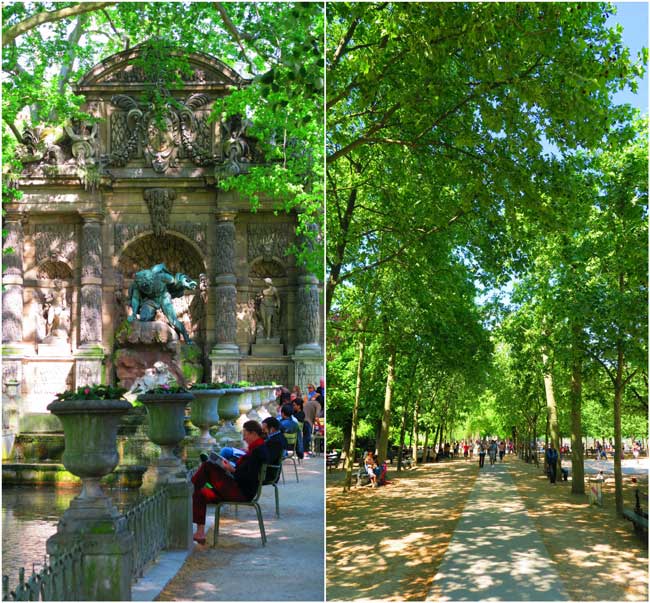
{"x": 395, "y": 545}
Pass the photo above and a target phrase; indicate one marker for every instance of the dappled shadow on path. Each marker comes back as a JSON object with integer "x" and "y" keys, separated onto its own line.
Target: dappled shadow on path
{"x": 597, "y": 554}
{"x": 496, "y": 553}
{"x": 386, "y": 543}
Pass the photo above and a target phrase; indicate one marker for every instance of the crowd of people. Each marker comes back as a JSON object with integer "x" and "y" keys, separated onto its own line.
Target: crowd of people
{"x": 233, "y": 474}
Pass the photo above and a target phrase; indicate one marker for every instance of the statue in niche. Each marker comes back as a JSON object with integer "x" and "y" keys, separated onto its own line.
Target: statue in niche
{"x": 153, "y": 290}
{"x": 57, "y": 315}
{"x": 267, "y": 303}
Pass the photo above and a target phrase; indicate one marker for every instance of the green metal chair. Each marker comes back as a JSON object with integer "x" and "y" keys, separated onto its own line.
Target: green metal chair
{"x": 249, "y": 503}
{"x": 272, "y": 478}
{"x": 292, "y": 439}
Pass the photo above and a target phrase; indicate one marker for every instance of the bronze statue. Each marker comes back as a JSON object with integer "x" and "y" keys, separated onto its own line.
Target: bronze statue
{"x": 153, "y": 289}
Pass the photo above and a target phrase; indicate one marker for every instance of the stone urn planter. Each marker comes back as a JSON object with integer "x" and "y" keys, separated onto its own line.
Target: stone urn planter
{"x": 166, "y": 428}
{"x": 259, "y": 403}
{"x": 92, "y": 521}
{"x": 90, "y": 429}
{"x": 245, "y": 407}
{"x": 205, "y": 413}
{"x": 228, "y": 406}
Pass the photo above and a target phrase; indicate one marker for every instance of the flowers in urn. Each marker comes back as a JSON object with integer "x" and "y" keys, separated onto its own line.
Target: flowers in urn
{"x": 92, "y": 392}
{"x": 167, "y": 388}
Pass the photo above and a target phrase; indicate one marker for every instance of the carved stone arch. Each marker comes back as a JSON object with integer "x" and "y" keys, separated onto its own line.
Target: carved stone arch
{"x": 177, "y": 251}
{"x": 54, "y": 269}
{"x": 119, "y": 69}
{"x": 262, "y": 267}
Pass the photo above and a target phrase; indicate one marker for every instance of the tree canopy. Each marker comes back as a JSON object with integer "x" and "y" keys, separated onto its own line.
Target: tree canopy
{"x": 486, "y": 201}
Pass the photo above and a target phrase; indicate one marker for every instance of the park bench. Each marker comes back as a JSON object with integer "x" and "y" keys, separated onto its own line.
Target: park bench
{"x": 407, "y": 462}
{"x": 332, "y": 459}
{"x": 638, "y": 516}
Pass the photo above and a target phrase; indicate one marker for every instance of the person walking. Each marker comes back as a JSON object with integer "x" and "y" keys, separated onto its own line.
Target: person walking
{"x": 481, "y": 455}
{"x": 552, "y": 457}
{"x": 493, "y": 452}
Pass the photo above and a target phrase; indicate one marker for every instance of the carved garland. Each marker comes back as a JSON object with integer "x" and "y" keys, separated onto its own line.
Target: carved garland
{"x": 268, "y": 240}
{"x": 160, "y": 202}
{"x": 56, "y": 242}
{"x": 161, "y": 138}
{"x": 182, "y": 128}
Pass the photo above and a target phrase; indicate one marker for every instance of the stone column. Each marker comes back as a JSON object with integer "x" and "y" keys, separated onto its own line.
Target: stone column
{"x": 12, "y": 279}
{"x": 12, "y": 299}
{"x": 225, "y": 354}
{"x": 90, "y": 355}
{"x": 308, "y": 355}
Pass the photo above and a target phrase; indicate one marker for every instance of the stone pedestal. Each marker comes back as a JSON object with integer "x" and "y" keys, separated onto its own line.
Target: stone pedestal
{"x": 179, "y": 525}
{"x": 225, "y": 365}
{"x": 107, "y": 561}
{"x": 308, "y": 367}
{"x": 55, "y": 347}
{"x": 88, "y": 368}
{"x": 267, "y": 347}
{"x": 140, "y": 345}
{"x": 92, "y": 520}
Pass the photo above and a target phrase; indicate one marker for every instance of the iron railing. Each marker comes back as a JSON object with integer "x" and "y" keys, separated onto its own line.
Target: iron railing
{"x": 147, "y": 522}
{"x": 59, "y": 580}
{"x": 61, "y": 577}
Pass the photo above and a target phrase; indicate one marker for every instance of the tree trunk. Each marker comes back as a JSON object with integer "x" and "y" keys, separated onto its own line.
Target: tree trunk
{"x": 402, "y": 435}
{"x": 551, "y": 407}
{"x": 349, "y": 460}
{"x": 619, "y": 387}
{"x": 441, "y": 436}
{"x": 426, "y": 445}
{"x": 388, "y": 399}
{"x": 414, "y": 439}
{"x": 575, "y": 396}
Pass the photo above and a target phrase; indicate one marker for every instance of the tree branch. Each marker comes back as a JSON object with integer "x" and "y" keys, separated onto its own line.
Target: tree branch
{"x": 400, "y": 249}
{"x": 47, "y": 17}
{"x": 340, "y": 49}
{"x": 71, "y": 54}
{"x": 235, "y": 33}
{"x": 122, "y": 36}
{"x": 13, "y": 128}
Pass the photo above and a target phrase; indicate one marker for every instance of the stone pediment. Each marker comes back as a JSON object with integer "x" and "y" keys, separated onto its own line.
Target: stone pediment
{"x": 120, "y": 71}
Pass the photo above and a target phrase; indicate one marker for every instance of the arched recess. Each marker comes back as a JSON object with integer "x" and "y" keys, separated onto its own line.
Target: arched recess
{"x": 54, "y": 269}
{"x": 175, "y": 251}
{"x": 263, "y": 267}
{"x": 179, "y": 254}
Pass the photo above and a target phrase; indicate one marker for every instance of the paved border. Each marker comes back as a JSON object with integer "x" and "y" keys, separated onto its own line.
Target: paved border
{"x": 158, "y": 575}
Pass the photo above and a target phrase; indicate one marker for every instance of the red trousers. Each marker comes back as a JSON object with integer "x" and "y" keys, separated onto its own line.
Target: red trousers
{"x": 224, "y": 488}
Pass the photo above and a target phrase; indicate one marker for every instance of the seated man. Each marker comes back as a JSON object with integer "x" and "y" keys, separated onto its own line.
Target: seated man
{"x": 288, "y": 424}
{"x": 275, "y": 440}
{"x": 237, "y": 484}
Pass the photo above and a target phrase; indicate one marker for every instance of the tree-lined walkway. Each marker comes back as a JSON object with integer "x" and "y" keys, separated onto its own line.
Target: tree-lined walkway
{"x": 442, "y": 533}
{"x": 496, "y": 553}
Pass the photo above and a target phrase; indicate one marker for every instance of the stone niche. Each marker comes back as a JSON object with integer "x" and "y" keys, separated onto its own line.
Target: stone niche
{"x": 103, "y": 200}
